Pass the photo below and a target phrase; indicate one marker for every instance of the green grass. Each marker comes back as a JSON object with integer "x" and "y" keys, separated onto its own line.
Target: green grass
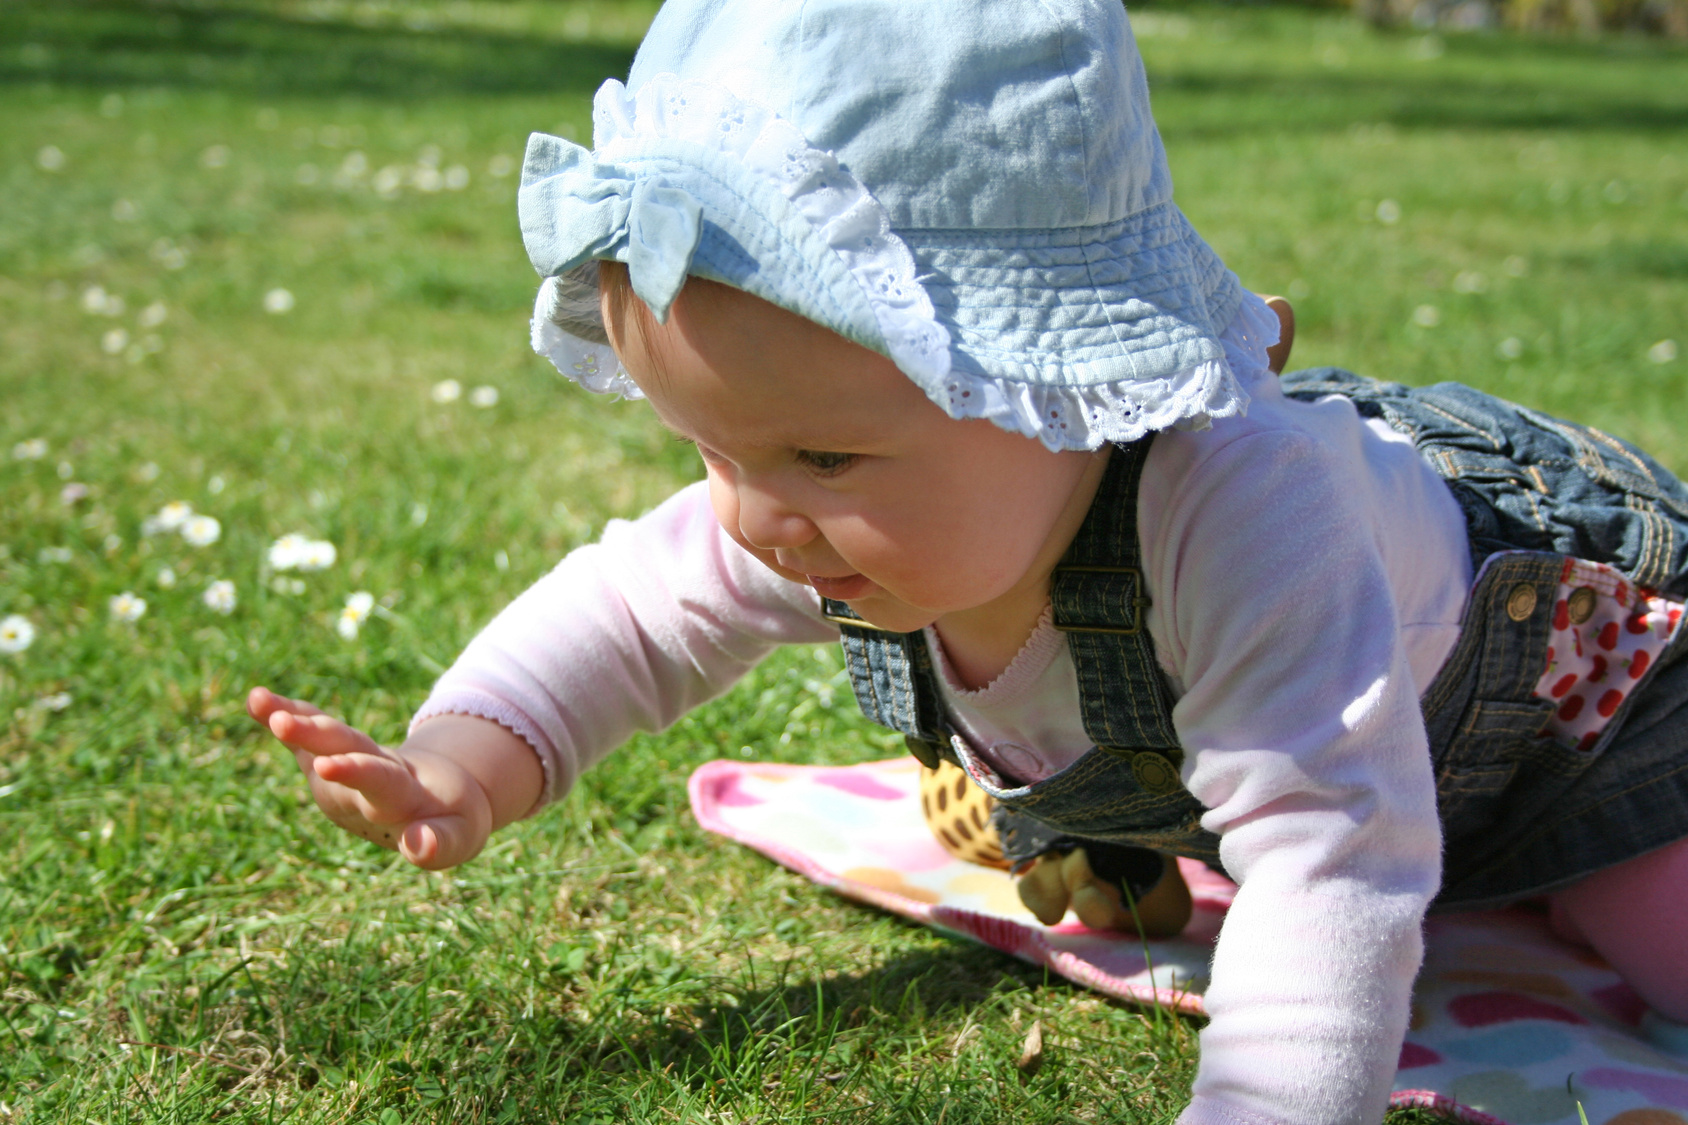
{"x": 183, "y": 939}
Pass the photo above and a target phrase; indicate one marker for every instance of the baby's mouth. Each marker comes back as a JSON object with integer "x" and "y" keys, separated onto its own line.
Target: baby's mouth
{"x": 844, "y": 588}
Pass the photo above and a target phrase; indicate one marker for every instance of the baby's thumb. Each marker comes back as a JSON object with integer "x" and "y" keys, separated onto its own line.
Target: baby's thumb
{"x": 440, "y": 842}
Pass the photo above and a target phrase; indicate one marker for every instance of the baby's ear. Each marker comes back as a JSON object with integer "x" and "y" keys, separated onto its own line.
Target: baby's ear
{"x": 1278, "y": 354}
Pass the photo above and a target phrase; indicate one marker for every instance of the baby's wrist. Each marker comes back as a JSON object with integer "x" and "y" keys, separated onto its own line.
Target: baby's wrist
{"x": 501, "y": 763}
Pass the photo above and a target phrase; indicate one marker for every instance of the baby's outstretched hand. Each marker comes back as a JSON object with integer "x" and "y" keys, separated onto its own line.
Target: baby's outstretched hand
{"x": 425, "y": 805}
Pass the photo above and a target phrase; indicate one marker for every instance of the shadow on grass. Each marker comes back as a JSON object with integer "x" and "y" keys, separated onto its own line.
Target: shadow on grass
{"x": 252, "y": 51}
{"x": 907, "y": 1041}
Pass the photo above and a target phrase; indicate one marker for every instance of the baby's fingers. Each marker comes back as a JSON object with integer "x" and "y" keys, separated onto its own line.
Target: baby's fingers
{"x": 386, "y": 791}
{"x": 441, "y": 842}
{"x": 261, "y": 703}
{"x": 319, "y": 734}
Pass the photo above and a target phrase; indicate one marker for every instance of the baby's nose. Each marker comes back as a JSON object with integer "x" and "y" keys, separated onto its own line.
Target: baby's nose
{"x": 769, "y": 524}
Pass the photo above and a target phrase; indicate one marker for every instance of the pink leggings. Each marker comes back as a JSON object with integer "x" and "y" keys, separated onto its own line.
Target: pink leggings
{"x": 1635, "y": 915}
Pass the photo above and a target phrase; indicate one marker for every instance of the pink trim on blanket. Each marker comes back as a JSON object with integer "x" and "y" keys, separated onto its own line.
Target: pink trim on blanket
{"x": 1440, "y": 1104}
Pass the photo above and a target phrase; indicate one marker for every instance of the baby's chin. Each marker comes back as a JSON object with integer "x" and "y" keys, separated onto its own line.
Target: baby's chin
{"x": 889, "y": 612}
{"x": 877, "y": 607}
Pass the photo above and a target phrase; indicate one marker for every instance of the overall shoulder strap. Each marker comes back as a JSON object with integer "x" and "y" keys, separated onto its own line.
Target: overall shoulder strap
{"x": 894, "y": 681}
{"x": 1098, "y": 596}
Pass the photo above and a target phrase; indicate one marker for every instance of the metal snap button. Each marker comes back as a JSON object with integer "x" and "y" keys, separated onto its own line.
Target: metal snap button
{"x": 1579, "y": 607}
{"x": 1521, "y": 602}
{"x": 1154, "y": 773}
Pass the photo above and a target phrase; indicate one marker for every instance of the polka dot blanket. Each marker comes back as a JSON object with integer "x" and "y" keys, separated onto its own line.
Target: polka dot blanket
{"x": 1509, "y": 1025}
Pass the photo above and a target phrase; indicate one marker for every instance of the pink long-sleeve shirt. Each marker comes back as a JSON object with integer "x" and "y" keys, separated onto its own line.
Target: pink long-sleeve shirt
{"x": 1307, "y": 571}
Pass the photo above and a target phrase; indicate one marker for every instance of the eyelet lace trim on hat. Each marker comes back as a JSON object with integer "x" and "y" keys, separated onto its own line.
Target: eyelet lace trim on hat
{"x": 568, "y": 330}
{"x": 1088, "y": 417}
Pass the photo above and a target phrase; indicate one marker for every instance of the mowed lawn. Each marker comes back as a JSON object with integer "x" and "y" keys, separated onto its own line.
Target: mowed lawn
{"x": 261, "y": 259}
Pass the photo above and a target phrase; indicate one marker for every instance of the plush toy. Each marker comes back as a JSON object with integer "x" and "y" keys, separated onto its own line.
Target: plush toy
{"x": 959, "y": 816}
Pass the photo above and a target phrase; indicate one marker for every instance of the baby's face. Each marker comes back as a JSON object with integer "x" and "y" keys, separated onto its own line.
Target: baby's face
{"x": 833, "y": 469}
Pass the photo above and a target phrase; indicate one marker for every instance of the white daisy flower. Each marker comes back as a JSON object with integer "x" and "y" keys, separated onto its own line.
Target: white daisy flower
{"x": 284, "y": 585}
{"x": 1662, "y": 352}
{"x": 166, "y": 578}
{"x": 202, "y": 531}
{"x": 278, "y": 301}
{"x": 128, "y": 607}
{"x": 113, "y": 342}
{"x": 174, "y": 516}
{"x": 319, "y": 554}
{"x": 1427, "y": 316}
{"x": 54, "y": 555}
{"x": 16, "y": 634}
{"x": 286, "y": 552}
{"x": 355, "y": 613}
{"x": 56, "y": 702}
{"x": 484, "y": 397}
{"x": 153, "y": 315}
{"x": 447, "y": 390}
{"x": 1389, "y": 212}
{"x": 50, "y": 158}
{"x": 32, "y": 450}
{"x": 220, "y": 596}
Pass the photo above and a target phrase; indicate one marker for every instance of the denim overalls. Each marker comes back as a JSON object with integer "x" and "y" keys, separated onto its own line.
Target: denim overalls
{"x": 1521, "y": 813}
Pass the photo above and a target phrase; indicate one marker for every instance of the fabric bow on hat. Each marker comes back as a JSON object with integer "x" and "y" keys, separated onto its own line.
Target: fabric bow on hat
{"x": 574, "y": 207}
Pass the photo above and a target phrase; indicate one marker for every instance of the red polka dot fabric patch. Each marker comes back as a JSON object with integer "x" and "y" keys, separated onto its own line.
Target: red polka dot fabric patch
{"x": 1606, "y": 634}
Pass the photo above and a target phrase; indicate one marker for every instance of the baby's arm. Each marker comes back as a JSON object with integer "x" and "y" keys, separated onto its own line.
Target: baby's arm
{"x": 660, "y": 615}
{"x": 1275, "y": 605}
{"x": 627, "y": 634}
{"x": 435, "y": 798}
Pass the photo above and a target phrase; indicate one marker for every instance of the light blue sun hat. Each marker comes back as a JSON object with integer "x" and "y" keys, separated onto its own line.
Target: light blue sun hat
{"x": 973, "y": 188}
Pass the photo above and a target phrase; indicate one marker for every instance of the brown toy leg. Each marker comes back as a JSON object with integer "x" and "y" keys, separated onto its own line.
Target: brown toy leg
{"x": 1056, "y": 882}
{"x": 1278, "y": 354}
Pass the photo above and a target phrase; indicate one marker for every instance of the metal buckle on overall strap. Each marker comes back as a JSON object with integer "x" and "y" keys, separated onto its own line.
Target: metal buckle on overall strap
{"x": 854, "y": 622}
{"x": 1137, "y": 601}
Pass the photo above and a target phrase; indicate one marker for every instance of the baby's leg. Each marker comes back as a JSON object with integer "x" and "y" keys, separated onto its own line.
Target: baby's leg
{"x": 1636, "y": 916}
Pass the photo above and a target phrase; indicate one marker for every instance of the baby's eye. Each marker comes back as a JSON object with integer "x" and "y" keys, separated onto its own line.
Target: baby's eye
{"x": 822, "y": 463}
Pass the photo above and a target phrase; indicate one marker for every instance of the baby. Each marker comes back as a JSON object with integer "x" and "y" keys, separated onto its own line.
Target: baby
{"x": 974, "y": 399}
